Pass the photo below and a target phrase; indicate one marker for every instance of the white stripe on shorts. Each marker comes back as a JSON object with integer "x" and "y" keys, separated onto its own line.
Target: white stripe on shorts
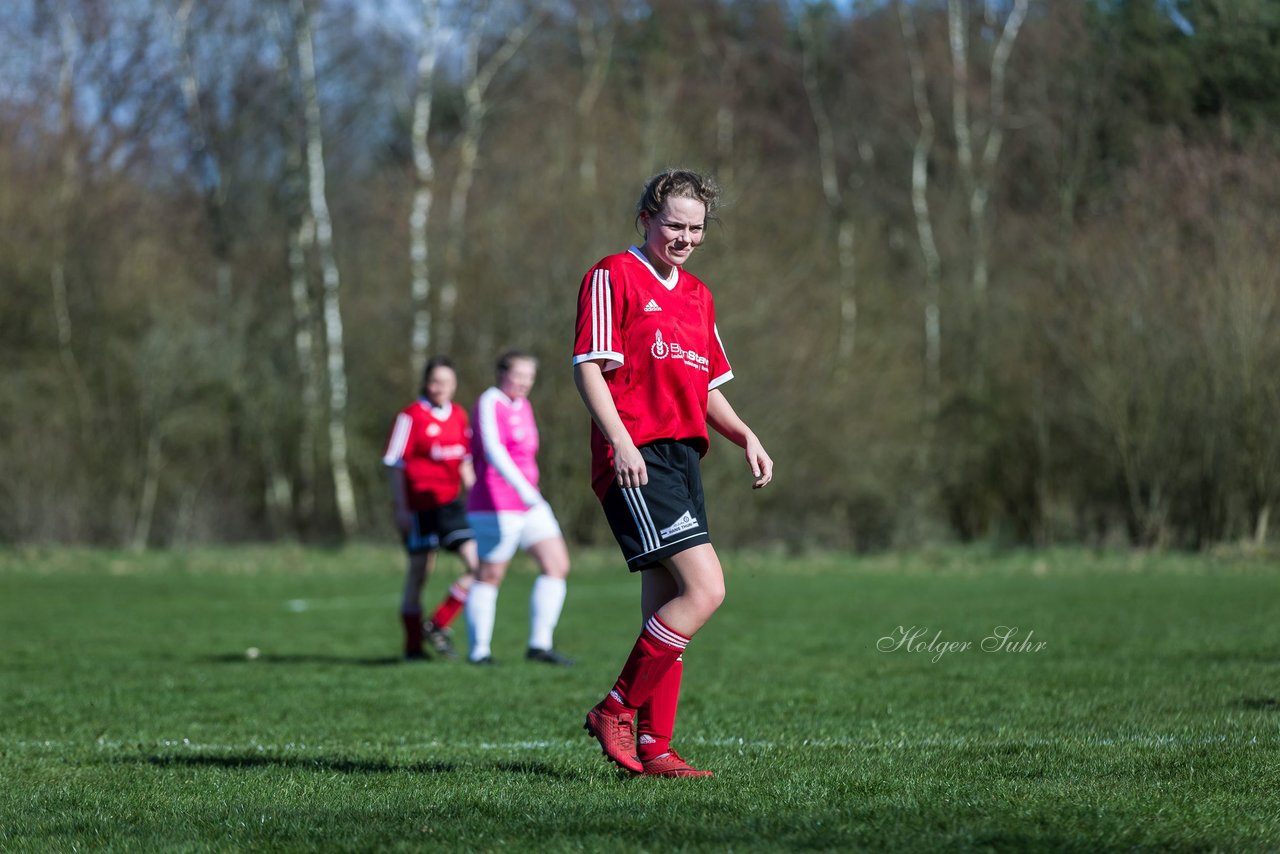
{"x": 640, "y": 513}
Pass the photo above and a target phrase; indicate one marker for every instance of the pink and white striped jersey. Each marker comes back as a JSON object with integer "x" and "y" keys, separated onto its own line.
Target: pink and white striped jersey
{"x": 504, "y": 449}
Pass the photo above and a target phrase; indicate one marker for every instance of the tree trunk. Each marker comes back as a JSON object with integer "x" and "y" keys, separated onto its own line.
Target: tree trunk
{"x": 978, "y": 178}
{"x": 65, "y": 194}
{"x": 301, "y": 241}
{"x": 344, "y": 494}
{"x": 424, "y": 187}
{"x": 845, "y": 234}
{"x": 210, "y": 171}
{"x": 596, "y": 45}
{"x": 476, "y": 83}
{"x": 726, "y": 64}
{"x": 150, "y": 488}
{"x": 920, "y": 204}
{"x": 301, "y": 238}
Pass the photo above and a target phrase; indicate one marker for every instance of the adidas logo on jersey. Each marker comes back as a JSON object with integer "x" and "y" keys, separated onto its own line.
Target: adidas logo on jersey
{"x": 684, "y": 523}
{"x": 653, "y": 306}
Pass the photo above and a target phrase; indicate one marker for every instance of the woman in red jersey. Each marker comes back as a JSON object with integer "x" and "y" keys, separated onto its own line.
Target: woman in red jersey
{"x": 649, "y": 364}
{"x": 429, "y": 458}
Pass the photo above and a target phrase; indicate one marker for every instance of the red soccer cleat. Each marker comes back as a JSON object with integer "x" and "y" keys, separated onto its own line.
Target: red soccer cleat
{"x": 616, "y": 734}
{"x": 670, "y": 764}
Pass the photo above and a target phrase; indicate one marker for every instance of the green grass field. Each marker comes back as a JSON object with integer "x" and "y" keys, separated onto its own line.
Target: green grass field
{"x": 1150, "y": 718}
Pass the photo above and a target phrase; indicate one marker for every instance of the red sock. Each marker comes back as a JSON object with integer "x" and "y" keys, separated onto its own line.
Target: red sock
{"x": 412, "y": 632}
{"x": 655, "y": 651}
{"x": 450, "y": 607}
{"x": 656, "y": 719}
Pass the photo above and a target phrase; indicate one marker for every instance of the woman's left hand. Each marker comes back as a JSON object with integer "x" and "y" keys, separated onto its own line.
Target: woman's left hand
{"x": 760, "y": 462}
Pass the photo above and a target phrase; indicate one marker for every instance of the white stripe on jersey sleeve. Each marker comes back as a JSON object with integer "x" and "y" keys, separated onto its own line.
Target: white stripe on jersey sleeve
{"x": 601, "y": 324}
{"x": 595, "y": 310}
{"x": 608, "y": 311}
{"x": 394, "y": 455}
{"x": 601, "y": 312}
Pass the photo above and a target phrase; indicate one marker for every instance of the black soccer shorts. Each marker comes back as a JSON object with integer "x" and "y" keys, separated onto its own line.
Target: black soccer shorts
{"x": 665, "y": 516}
{"x": 443, "y": 527}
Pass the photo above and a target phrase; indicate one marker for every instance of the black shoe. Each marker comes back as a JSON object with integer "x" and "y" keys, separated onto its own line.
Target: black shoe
{"x": 416, "y": 655}
{"x": 441, "y": 640}
{"x": 487, "y": 661}
{"x": 548, "y": 656}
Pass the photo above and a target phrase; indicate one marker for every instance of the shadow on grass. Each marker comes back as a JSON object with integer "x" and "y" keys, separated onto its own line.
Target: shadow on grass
{"x": 306, "y": 658}
{"x": 342, "y": 766}
{"x": 353, "y": 766}
{"x": 1261, "y": 704}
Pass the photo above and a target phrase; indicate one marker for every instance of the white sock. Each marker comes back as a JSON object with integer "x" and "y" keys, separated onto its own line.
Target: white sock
{"x": 545, "y": 603}
{"x": 482, "y": 606}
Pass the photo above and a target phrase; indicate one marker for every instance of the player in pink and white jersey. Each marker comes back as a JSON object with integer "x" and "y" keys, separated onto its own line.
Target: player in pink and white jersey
{"x": 649, "y": 364}
{"x": 507, "y": 512}
{"x": 428, "y": 457}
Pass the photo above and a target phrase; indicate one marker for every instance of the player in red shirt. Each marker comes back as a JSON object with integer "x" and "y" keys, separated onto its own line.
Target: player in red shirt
{"x": 429, "y": 460}
{"x": 648, "y": 363}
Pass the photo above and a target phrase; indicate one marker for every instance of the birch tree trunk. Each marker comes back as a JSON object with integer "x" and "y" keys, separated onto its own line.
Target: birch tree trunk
{"x": 69, "y": 41}
{"x": 344, "y": 494}
{"x": 596, "y": 44}
{"x": 845, "y": 249}
{"x": 424, "y": 188}
{"x": 978, "y": 177}
{"x": 150, "y": 488}
{"x": 921, "y": 152}
{"x": 726, "y": 63}
{"x": 302, "y": 233}
{"x": 210, "y": 170}
{"x": 290, "y": 499}
{"x": 477, "y": 80}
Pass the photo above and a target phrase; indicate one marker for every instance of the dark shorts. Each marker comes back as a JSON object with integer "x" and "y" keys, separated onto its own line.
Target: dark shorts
{"x": 665, "y": 516}
{"x": 443, "y": 527}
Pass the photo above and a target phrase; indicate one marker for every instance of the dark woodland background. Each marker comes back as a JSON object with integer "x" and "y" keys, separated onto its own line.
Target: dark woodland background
{"x": 1000, "y": 270}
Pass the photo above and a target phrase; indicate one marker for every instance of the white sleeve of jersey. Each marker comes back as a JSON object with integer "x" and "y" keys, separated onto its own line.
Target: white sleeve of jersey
{"x": 496, "y": 453}
{"x": 394, "y": 456}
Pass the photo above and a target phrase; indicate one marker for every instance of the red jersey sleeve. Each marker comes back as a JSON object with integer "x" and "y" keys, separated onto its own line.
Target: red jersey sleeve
{"x": 598, "y": 332}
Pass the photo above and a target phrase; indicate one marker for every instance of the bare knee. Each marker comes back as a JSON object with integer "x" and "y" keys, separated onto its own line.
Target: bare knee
{"x": 707, "y": 597}
{"x": 552, "y": 556}
{"x": 491, "y": 573}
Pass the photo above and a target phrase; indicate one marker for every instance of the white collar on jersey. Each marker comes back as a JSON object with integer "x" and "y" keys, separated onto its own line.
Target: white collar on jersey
{"x": 441, "y": 412}
{"x": 669, "y": 282}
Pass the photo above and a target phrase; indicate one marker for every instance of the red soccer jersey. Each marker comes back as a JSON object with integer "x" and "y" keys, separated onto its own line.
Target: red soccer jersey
{"x": 661, "y": 352}
{"x": 430, "y": 445}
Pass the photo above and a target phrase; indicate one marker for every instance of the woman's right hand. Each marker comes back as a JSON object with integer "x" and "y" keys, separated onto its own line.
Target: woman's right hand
{"x": 628, "y": 466}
